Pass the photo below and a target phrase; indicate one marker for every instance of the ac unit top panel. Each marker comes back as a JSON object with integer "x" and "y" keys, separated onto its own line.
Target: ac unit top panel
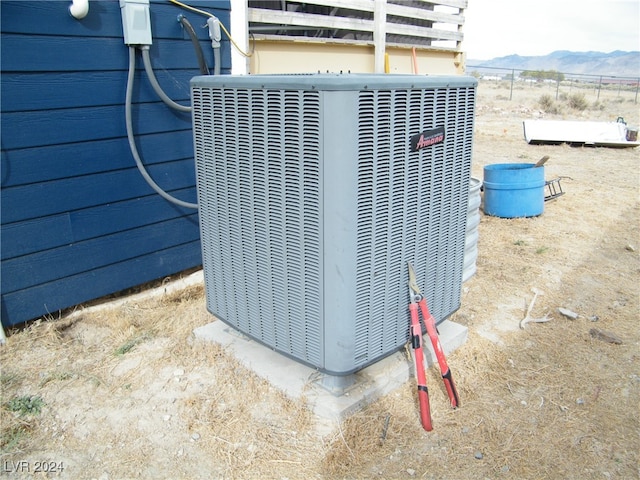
{"x": 334, "y": 81}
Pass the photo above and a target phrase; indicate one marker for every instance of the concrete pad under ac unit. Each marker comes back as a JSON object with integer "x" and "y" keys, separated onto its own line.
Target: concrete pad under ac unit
{"x": 331, "y": 398}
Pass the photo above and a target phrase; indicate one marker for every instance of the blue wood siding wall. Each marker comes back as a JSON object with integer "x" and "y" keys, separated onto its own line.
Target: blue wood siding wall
{"x": 78, "y": 219}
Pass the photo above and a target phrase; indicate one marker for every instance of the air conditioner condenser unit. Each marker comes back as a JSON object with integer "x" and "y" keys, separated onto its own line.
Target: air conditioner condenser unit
{"x": 314, "y": 192}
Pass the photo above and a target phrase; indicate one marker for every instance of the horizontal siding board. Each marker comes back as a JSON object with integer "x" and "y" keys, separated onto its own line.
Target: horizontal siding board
{"x": 18, "y": 17}
{"x": 56, "y": 54}
{"x": 49, "y": 265}
{"x": 34, "y": 235}
{"x": 104, "y": 219}
{"x": 23, "y": 91}
{"x": 74, "y": 193}
{"x": 104, "y": 18}
{"x": 42, "y": 128}
{"x": 68, "y": 54}
{"x": 48, "y": 163}
{"x": 43, "y": 233}
{"x": 35, "y": 301}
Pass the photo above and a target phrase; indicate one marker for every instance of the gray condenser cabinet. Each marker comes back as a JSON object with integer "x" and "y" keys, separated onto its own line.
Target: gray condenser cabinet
{"x": 315, "y": 191}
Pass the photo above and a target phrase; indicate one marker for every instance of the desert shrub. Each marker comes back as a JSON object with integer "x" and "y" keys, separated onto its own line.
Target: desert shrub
{"x": 545, "y": 101}
{"x": 578, "y": 101}
{"x": 547, "y": 104}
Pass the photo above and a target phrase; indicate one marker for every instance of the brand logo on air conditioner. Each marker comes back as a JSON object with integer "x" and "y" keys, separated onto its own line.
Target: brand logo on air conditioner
{"x": 427, "y": 138}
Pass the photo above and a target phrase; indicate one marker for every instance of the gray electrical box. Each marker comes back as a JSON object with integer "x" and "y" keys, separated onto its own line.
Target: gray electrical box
{"x": 136, "y": 22}
{"x": 316, "y": 190}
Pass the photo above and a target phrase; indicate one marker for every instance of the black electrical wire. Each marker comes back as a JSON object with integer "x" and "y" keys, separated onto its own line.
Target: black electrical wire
{"x": 204, "y": 69}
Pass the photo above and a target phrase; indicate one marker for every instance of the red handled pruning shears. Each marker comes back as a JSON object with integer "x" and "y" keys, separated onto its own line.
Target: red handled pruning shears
{"x": 417, "y": 299}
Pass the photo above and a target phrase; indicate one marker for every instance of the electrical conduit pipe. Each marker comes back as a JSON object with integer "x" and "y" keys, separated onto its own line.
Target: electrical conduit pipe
{"x": 131, "y": 138}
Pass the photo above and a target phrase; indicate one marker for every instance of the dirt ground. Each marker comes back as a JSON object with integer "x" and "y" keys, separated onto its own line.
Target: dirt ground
{"x": 126, "y": 392}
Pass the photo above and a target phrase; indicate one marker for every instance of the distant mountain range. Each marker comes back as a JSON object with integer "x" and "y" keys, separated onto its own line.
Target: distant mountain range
{"x": 618, "y": 63}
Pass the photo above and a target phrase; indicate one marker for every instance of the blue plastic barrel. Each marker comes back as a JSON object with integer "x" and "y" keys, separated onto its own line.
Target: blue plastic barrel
{"x": 513, "y": 190}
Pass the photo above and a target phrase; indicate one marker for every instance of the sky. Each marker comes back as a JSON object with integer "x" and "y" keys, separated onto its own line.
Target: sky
{"x": 497, "y": 28}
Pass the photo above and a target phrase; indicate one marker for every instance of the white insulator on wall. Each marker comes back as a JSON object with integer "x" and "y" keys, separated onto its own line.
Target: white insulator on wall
{"x": 79, "y": 9}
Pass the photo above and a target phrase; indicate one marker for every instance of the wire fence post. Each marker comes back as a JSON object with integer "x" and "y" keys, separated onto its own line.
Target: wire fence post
{"x": 557, "y": 85}
{"x": 513, "y": 76}
{"x": 599, "y": 87}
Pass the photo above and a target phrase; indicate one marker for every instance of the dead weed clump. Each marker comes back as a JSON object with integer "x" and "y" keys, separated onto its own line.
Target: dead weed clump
{"x": 527, "y": 412}
{"x": 548, "y": 105}
{"x": 247, "y": 425}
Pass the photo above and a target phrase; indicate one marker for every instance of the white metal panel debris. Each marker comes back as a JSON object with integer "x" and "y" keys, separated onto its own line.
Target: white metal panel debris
{"x": 598, "y": 134}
